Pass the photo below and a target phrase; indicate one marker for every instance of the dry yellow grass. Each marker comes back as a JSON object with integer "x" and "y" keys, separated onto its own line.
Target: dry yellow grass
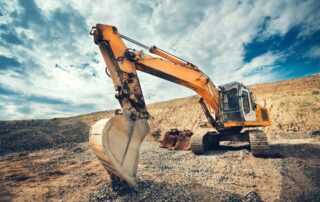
{"x": 294, "y": 106}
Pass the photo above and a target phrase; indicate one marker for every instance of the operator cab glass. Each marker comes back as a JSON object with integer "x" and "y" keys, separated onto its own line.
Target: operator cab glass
{"x": 245, "y": 102}
{"x": 231, "y": 106}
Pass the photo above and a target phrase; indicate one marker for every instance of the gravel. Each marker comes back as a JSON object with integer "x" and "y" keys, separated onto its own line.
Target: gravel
{"x": 222, "y": 175}
{"x": 18, "y": 136}
{"x": 70, "y": 172}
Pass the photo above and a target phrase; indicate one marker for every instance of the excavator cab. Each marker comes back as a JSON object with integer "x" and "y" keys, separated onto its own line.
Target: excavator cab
{"x": 237, "y": 103}
{"x": 238, "y": 110}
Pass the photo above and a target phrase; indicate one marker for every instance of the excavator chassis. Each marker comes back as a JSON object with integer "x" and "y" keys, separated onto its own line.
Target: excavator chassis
{"x": 257, "y": 138}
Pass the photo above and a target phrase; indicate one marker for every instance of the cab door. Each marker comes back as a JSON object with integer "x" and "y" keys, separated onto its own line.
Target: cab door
{"x": 249, "y": 113}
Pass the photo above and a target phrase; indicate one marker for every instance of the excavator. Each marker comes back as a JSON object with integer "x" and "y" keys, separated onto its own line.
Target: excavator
{"x": 230, "y": 109}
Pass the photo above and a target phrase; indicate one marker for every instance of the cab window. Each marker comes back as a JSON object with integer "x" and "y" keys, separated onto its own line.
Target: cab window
{"x": 253, "y": 104}
{"x": 230, "y": 101}
{"x": 245, "y": 102}
{"x": 231, "y": 106}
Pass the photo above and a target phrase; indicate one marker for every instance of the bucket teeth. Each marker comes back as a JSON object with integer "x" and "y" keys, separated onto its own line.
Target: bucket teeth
{"x": 170, "y": 138}
{"x": 176, "y": 140}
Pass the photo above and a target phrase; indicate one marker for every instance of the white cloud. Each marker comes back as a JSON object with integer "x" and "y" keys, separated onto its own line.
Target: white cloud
{"x": 314, "y": 52}
{"x": 260, "y": 69}
{"x": 209, "y": 33}
{"x": 260, "y": 63}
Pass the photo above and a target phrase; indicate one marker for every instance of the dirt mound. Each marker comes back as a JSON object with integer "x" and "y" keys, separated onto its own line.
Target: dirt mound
{"x": 37, "y": 134}
{"x": 294, "y": 104}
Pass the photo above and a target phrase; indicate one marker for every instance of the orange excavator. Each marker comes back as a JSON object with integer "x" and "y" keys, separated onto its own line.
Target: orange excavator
{"x": 229, "y": 108}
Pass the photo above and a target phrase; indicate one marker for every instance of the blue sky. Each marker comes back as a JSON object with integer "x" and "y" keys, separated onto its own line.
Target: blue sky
{"x": 50, "y": 67}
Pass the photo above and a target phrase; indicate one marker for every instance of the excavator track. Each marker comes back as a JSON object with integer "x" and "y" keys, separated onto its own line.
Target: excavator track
{"x": 258, "y": 143}
{"x": 197, "y": 146}
{"x": 202, "y": 143}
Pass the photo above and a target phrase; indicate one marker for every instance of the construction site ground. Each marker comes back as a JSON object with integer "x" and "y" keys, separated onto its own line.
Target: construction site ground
{"x": 50, "y": 160}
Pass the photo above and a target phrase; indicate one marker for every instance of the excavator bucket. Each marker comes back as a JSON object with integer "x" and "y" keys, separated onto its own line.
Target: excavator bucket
{"x": 116, "y": 142}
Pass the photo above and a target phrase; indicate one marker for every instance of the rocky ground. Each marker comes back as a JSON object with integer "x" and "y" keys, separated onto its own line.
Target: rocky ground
{"x": 70, "y": 172}
{"x": 50, "y": 160}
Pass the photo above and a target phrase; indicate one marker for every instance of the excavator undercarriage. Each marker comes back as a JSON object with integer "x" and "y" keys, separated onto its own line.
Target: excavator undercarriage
{"x": 256, "y": 138}
{"x": 116, "y": 141}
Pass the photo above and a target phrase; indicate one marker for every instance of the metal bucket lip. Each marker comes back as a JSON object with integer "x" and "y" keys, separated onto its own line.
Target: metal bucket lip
{"x": 121, "y": 172}
{"x": 92, "y": 128}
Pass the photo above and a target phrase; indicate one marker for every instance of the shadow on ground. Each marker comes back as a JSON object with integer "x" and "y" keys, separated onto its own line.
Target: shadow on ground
{"x": 5, "y": 195}
{"x": 300, "y": 168}
{"x": 300, "y": 172}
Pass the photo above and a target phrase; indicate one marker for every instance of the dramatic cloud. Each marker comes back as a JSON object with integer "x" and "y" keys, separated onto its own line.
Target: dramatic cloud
{"x": 314, "y": 52}
{"x": 49, "y": 65}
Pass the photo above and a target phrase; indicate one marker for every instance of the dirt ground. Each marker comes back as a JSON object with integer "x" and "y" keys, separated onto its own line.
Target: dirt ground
{"x": 72, "y": 173}
{"x": 50, "y": 160}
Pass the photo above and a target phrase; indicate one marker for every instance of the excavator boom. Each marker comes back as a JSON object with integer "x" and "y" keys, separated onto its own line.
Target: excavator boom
{"x": 122, "y": 63}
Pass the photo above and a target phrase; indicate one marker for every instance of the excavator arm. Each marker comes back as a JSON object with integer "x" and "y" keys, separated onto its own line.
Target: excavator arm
{"x": 122, "y": 64}
{"x": 183, "y": 74}
{"x": 116, "y": 141}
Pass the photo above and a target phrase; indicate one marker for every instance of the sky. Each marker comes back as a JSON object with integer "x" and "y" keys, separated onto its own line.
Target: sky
{"x": 50, "y": 67}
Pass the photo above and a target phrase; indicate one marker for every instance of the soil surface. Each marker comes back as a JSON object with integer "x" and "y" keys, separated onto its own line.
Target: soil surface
{"x": 50, "y": 160}
{"x": 71, "y": 172}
